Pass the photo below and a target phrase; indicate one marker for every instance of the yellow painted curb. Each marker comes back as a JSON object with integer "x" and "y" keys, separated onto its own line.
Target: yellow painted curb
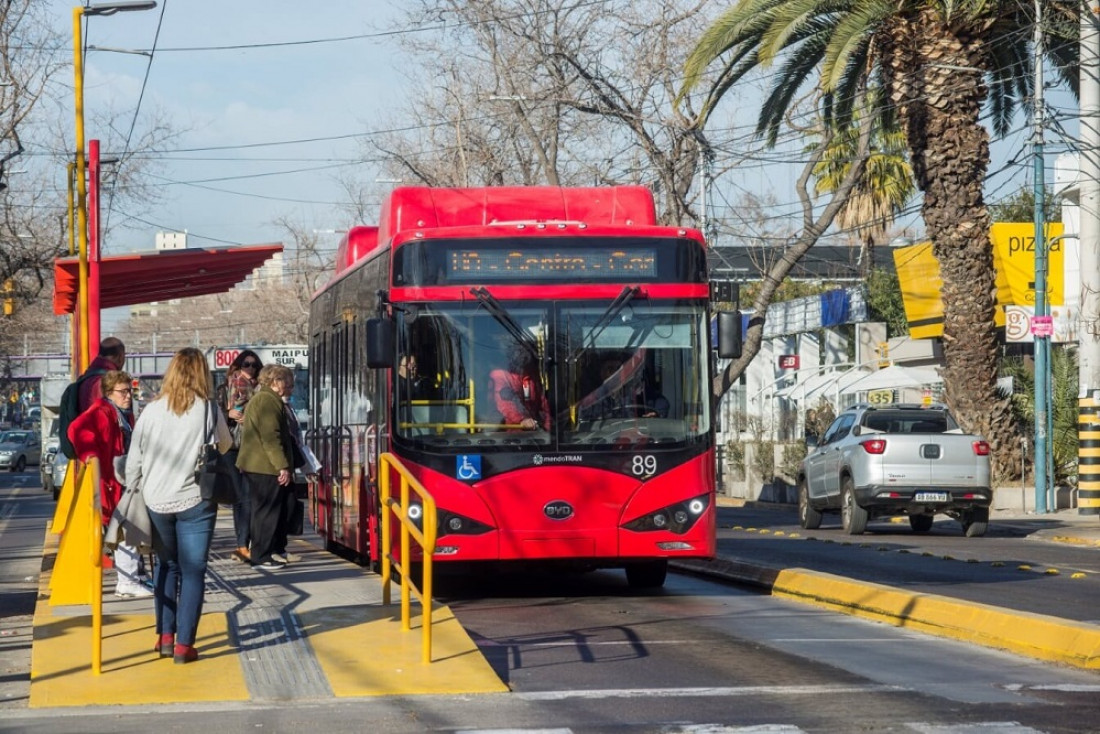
{"x": 363, "y": 652}
{"x": 1034, "y": 635}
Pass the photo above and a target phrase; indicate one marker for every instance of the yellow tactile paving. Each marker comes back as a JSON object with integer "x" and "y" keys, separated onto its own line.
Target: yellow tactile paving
{"x": 132, "y": 673}
{"x": 363, "y": 652}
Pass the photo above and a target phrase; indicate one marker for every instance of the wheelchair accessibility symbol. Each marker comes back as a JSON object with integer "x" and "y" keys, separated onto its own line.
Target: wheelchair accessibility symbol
{"x": 468, "y": 467}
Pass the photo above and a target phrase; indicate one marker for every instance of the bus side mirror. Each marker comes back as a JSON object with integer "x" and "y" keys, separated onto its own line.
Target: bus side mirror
{"x": 380, "y": 341}
{"x": 729, "y": 334}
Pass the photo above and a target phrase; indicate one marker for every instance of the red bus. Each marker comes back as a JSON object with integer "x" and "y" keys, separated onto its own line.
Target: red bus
{"x": 610, "y": 315}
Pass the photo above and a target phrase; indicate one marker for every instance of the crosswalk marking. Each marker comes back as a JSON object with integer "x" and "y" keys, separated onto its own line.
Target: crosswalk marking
{"x": 812, "y": 690}
{"x": 985, "y": 727}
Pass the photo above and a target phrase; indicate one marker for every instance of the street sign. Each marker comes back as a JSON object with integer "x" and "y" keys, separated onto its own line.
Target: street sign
{"x": 789, "y": 361}
{"x": 1042, "y": 325}
{"x": 880, "y": 397}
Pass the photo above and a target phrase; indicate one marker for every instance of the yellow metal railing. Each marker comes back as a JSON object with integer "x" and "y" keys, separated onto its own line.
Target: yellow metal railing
{"x": 77, "y": 576}
{"x": 438, "y": 427}
{"x": 388, "y": 464}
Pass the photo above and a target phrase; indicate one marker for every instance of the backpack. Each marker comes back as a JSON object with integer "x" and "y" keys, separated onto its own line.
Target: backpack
{"x": 69, "y": 410}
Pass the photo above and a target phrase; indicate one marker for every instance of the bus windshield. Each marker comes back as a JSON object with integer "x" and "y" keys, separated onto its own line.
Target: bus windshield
{"x": 569, "y": 374}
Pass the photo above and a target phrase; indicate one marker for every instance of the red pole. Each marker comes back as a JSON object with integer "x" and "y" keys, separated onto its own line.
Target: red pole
{"x": 93, "y": 245}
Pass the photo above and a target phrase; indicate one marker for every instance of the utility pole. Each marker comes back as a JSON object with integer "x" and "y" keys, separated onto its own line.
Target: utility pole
{"x": 1088, "y": 320}
{"x": 1042, "y": 341}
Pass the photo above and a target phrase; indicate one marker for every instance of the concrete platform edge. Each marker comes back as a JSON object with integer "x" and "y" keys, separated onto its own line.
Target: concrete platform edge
{"x": 1034, "y": 635}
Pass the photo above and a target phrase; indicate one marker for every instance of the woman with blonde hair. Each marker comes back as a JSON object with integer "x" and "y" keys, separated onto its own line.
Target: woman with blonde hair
{"x": 165, "y": 445}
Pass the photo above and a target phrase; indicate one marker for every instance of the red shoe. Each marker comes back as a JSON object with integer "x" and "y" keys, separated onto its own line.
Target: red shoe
{"x": 164, "y": 645}
{"x": 185, "y": 654}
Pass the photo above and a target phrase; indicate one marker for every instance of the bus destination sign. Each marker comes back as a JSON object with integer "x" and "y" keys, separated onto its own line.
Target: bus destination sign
{"x": 551, "y": 264}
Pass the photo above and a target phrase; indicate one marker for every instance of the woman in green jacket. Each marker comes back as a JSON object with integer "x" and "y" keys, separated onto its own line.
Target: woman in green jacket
{"x": 265, "y": 458}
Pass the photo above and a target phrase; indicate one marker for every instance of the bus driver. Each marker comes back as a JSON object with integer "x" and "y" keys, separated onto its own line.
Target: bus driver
{"x": 518, "y": 393}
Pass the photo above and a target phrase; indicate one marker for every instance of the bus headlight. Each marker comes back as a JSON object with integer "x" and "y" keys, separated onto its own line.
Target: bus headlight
{"x": 451, "y": 523}
{"x": 677, "y": 518}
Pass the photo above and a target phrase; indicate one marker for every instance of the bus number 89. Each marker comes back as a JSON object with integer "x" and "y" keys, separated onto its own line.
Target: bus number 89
{"x": 644, "y": 466}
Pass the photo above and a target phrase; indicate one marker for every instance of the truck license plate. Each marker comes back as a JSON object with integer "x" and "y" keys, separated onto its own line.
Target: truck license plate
{"x": 930, "y": 497}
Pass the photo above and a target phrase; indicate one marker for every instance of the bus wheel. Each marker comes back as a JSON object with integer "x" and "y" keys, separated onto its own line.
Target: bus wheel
{"x": 647, "y": 575}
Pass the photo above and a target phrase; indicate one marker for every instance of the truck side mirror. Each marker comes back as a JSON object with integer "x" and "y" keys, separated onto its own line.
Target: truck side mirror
{"x": 380, "y": 341}
{"x": 729, "y": 334}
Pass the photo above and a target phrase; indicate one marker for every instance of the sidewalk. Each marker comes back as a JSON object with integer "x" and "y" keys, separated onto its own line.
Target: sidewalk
{"x": 316, "y": 629}
{"x": 1061, "y": 526}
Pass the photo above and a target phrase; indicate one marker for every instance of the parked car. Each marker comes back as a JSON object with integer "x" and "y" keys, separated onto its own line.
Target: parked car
{"x": 896, "y": 459}
{"x": 19, "y": 448}
{"x": 45, "y": 467}
{"x": 58, "y": 468}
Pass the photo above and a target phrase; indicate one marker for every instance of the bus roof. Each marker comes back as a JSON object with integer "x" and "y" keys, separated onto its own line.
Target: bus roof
{"x": 422, "y": 208}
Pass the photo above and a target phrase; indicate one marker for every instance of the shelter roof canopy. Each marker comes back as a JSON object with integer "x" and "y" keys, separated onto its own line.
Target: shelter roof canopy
{"x": 160, "y": 275}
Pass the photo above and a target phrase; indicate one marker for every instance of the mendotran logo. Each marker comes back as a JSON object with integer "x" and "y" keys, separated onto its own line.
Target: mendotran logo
{"x": 539, "y": 459}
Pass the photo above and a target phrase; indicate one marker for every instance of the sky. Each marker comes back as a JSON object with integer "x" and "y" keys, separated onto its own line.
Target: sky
{"x": 227, "y": 177}
{"x": 235, "y": 169}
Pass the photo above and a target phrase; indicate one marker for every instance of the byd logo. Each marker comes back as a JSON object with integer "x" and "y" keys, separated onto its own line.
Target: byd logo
{"x": 558, "y": 510}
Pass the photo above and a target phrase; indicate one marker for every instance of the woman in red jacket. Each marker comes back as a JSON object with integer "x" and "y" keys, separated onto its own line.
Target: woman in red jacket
{"x": 103, "y": 431}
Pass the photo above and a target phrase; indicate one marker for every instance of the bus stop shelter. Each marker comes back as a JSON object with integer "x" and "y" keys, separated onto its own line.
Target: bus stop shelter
{"x": 145, "y": 277}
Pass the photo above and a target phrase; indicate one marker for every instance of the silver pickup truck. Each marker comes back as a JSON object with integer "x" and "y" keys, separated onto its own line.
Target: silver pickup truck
{"x": 896, "y": 459}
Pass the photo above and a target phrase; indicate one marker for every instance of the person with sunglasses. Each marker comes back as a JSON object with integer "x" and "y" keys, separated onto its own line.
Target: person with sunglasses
{"x": 103, "y": 431}
{"x": 240, "y": 384}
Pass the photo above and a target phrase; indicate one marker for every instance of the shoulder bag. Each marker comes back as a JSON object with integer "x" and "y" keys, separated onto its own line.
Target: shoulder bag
{"x": 216, "y": 477}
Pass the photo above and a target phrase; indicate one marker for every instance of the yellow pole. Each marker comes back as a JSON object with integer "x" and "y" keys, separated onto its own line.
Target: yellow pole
{"x": 387, "y": 542}
{"x": 81, "y": 192}
{"x": 406, "y": 565}
{"x": 92, "y": 491}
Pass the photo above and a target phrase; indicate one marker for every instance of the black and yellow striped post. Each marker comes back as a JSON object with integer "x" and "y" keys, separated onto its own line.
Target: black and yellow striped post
{"x": 1088, "y": 456}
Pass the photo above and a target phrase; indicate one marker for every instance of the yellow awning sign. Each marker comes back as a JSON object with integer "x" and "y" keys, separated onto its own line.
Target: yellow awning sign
{"x": 1014, "y": 262}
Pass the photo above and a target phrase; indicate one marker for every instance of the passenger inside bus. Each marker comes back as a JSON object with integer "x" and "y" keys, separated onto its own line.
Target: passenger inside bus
{"x": 410, "y": 387}
{"x": 624, "y": 390}
{"x": 609, "y": 397}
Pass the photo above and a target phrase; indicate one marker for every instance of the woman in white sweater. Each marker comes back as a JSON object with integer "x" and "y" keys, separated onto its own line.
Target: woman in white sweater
{"x": 165, "y": 444}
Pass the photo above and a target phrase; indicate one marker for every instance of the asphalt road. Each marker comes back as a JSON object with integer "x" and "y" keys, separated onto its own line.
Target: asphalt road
{"x": 1006, "y": 568}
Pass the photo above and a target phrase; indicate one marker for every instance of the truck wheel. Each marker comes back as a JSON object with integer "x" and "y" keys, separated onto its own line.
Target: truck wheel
{"x": 808, "y": 517}
{"x": 853, "y": 517}
{"x": 975, "y": 522}
{"x": 920, "y": 523}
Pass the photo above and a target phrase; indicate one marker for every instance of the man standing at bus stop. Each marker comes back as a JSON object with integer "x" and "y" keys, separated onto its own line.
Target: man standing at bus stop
{"x": 112, "y": 356}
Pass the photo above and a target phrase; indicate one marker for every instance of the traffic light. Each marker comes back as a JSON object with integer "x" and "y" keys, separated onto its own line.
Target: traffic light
{"x": 9, "y": 297}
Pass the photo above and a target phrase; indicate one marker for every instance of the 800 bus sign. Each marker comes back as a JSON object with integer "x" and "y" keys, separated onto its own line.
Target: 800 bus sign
{"x": 289, "y": 355}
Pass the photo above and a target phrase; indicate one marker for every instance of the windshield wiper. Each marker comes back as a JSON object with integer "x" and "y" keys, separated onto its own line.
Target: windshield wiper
{"x": 498, "y": 312}
{"x": 613, "y": 309}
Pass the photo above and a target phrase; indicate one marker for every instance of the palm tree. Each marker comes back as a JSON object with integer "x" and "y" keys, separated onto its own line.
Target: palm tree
{"x": 938, "y": 63}
{"x": 1063, "y": 406}
{"x": 881, "y": 192}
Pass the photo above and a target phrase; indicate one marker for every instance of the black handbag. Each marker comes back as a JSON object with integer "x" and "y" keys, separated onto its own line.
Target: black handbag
{"x": 216, "y": 477}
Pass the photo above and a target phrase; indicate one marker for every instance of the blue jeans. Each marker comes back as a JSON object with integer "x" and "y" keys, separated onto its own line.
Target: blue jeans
{"x": 182, "y": 544}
